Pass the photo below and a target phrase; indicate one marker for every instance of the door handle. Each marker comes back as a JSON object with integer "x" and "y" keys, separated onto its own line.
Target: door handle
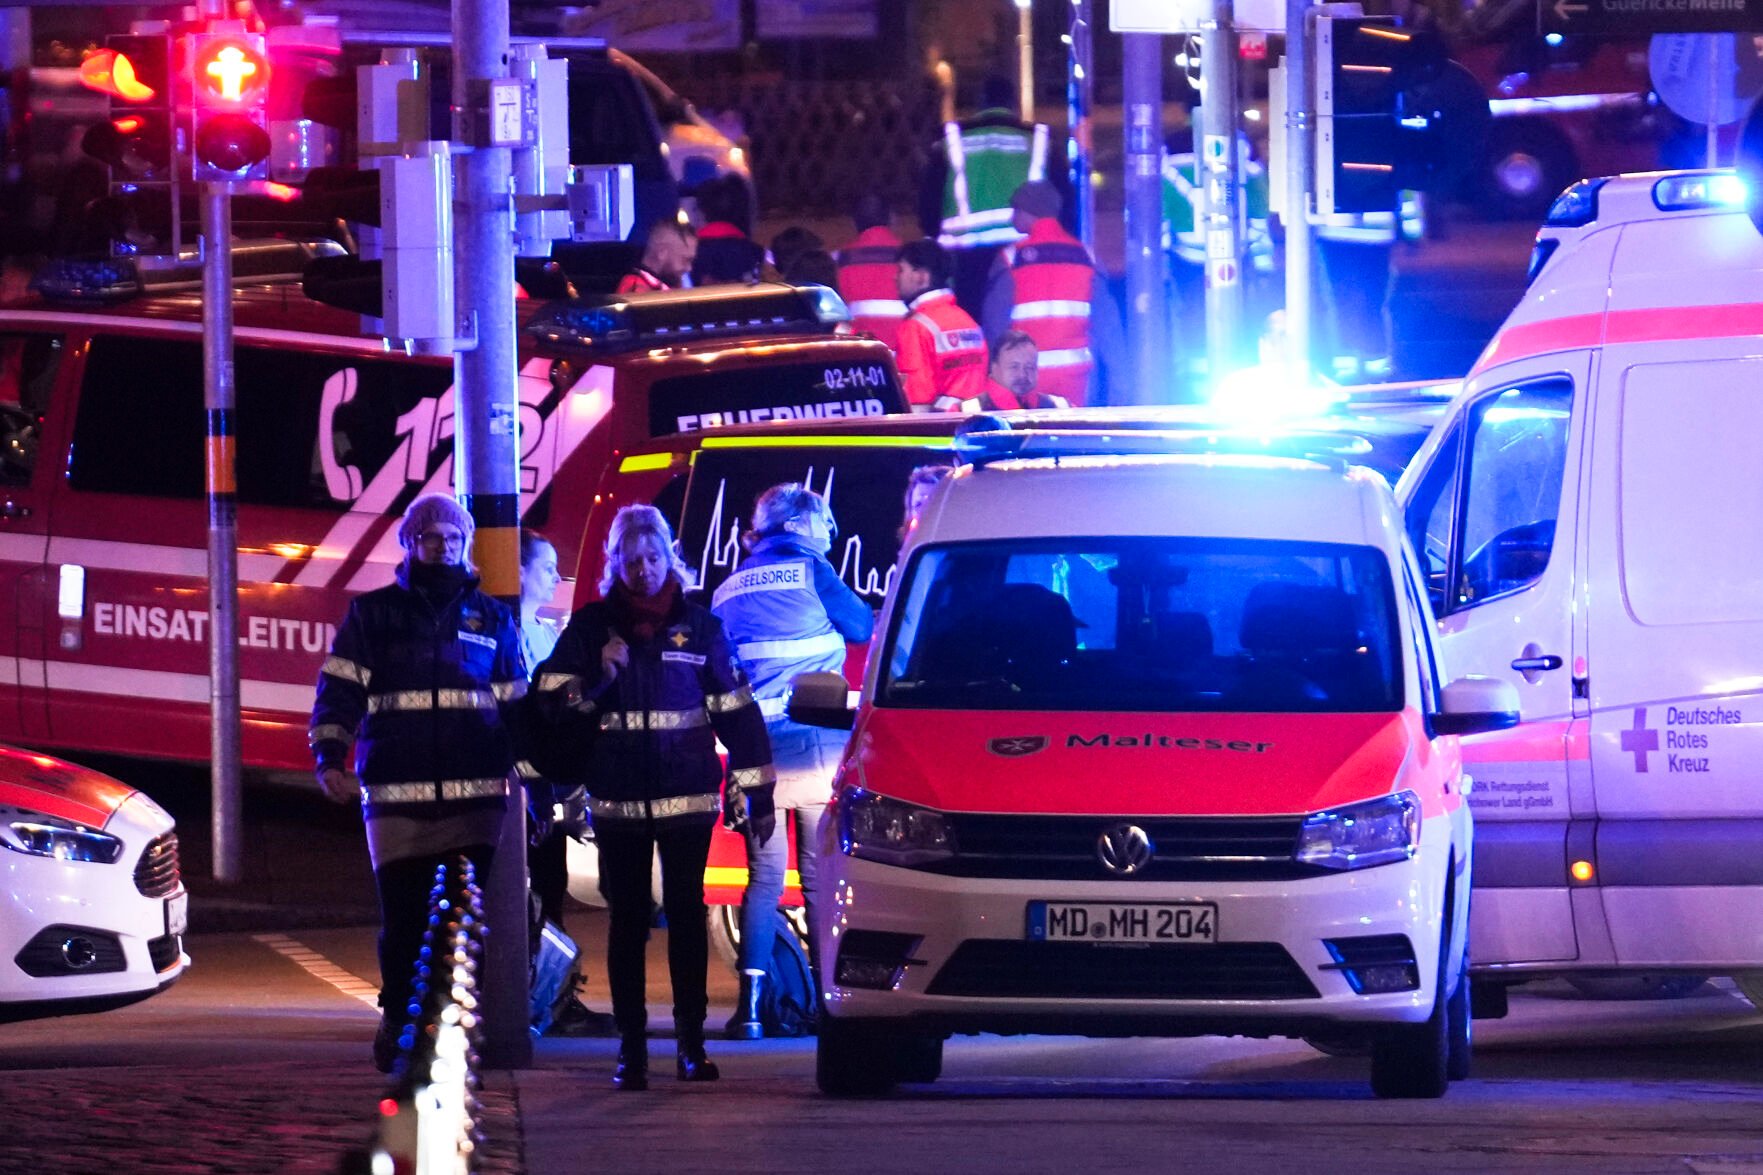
{"x": 1537, "y": 664}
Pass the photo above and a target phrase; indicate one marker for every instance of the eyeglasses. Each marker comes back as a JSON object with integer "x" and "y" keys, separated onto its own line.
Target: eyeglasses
{"x": 450, "y": 539}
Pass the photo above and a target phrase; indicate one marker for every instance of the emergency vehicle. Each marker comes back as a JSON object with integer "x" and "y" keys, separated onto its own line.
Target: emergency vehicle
{"x": 103, "y": 524}
{"x": 1152, "y": 744}
{"x": 94, "y": 909}
{"x": 705, "y": 482}
{"x": 1585, "y": 521}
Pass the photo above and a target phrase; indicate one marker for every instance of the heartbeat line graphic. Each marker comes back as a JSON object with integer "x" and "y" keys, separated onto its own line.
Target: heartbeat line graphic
{"x": 722, "y": 544}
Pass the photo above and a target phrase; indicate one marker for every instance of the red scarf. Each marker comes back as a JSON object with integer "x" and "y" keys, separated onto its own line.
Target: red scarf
{"x": 647, "y": 614}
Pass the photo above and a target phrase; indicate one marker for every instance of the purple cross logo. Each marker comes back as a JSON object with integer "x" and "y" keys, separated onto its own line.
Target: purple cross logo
{"x": 1638, "y": 740}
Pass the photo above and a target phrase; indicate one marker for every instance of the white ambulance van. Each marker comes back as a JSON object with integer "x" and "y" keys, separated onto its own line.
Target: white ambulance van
{"x": 1150, "y": 743}
{"x": 1587, "y": 517}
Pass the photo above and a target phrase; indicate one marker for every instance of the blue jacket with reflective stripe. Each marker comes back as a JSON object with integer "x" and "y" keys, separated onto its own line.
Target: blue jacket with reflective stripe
{"x": 424, "y": 691}
{"x": 788, "y": 612}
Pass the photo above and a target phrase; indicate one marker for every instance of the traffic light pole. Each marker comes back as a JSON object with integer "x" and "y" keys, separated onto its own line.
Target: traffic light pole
{"x": 486, "y": 453}
{"x": 1147, "y": 290}
{"x": 223, "y": 542}
{"x": 1078, "y": 90}
{"x": 1300, "y": 252}
{"x": 1220, "y": 173}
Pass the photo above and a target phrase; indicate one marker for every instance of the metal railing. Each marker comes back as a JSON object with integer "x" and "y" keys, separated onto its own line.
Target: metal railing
{"x": 427, "y": 1120}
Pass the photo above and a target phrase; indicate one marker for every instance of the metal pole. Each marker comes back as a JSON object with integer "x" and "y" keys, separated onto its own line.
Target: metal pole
{"x": 1219, "y": 165}
{"x": 1300, "y": 154}
{"x": 227, "y": 824}
{"x": 1025, "y": 57}
{"x": 1078, "y": 90}
{"x": 486, "y": 455}
{"x": 1147, "y": 290}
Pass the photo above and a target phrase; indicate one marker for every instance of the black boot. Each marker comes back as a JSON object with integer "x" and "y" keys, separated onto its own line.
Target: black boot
{"x": 745, "y": 1024}
{"x": 693, "y": 1065}
{"x": 632, "y": 1073}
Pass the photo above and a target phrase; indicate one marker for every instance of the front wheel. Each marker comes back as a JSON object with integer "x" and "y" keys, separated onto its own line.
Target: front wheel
{"x": 1412, "y": 1060}
{"x": 920, "y": 1058}
{"x": 853, "y": 1058}
{"x": 1460, "y": 1026}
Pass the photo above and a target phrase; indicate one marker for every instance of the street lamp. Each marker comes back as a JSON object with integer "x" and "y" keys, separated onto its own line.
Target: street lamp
{"x": 1025, "y": 57}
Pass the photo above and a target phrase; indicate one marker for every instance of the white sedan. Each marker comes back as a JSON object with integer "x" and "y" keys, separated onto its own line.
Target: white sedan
{"x": 93, "y": 910}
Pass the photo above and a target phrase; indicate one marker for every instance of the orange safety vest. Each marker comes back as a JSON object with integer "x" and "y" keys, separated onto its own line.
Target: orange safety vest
{"x": 942, "y": 353}
{"x": 1054, "y": 276}
{"x": 868, "y": 283}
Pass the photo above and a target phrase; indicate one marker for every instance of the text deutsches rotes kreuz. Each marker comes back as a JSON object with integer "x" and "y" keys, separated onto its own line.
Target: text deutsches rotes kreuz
{"x": 157, "y": 623}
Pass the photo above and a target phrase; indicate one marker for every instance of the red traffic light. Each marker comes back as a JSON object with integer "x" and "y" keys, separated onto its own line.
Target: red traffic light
{"x": 231, "y": 142}
{"x": 229, "y": 72}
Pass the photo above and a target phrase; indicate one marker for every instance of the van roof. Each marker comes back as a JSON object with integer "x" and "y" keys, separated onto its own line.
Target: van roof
{"x": 1222, "y": 496}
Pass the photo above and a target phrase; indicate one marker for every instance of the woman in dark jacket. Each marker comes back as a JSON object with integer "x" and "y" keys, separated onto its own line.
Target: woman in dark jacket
{"x": 642, "y": 684}
{"x": 419, "y": 678}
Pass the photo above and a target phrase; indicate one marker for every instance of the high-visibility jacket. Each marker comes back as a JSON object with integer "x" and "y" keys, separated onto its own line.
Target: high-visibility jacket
{"x": 1373, "y": 228}
{"x": 640, "y": 281}
{"x": 1182, "y": 233}
{"x": 868, "y": 281}
{"x": 942, "y": 353}
{"x": 989, "y": 158}
{"x": 1054, "y": 281}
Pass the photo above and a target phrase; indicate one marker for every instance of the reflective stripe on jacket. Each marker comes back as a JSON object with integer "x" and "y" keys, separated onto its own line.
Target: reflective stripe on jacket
{"x": 1054, "y": 279}
{"x": 649, "y": 734}
{"x": 942, "y": 351}
{"x": 988, "y": 160}
{"x": 1181, "y": 211}
{"x": 425, "y": 693}
{"x": 787, "y": 612}
{"x": 869, "y": 283}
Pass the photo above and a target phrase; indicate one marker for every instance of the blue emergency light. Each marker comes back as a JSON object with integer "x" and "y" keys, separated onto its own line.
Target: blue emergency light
{"x": 984, "y": 439}
{"x": 1700, "y": 189}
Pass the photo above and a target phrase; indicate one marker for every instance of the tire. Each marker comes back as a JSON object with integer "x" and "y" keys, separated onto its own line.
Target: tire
{"x": 1642, "y": 986}
{"x": 1459, "y": 1027}
{"x": 725, "y": 933}
{"x": 1414, "y": 1060}
{"x": 855, "y": 1058}
{"x": 919, "y": 1058}
{"x": 1524, "y": 166}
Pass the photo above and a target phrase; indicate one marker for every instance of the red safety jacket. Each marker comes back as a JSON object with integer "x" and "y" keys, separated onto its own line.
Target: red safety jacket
{"x": 867, "y": 282}
{"x": 1054, "y": 278}
{"x": 942, "y": 353}
{"x": 640, "y": 281}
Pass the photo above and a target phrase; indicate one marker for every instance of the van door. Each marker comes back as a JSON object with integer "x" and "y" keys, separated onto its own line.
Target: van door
{"x": 1492, "y": 517}
{"x": 1675, "y": 667}
{"x": 31, "y": 388}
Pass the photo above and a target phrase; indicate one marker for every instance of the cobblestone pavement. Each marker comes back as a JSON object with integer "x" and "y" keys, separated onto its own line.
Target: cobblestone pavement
{"x": 257, "y": 1119}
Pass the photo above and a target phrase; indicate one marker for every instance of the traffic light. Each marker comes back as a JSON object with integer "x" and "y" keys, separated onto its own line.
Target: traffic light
{"x": 1393, "y": 114}
{"x": 138, "y": 139}
{"x": 229, "y": 81}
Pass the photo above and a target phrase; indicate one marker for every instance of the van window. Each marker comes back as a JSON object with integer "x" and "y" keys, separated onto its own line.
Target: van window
{"x": 865, "y": 486}
{"x": 312, "y": 429}
{"x": 1689, "y": 485}
{"x": 29, "y": 364}
{"x": 1431, "y": 513}
{"x": 1516, "y": 458}
{"x": 1168, "y": 624}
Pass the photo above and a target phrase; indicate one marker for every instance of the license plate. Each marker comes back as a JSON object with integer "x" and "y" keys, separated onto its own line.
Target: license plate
{"x": 1128, "y": 922}
{"x": 177, "y": 914}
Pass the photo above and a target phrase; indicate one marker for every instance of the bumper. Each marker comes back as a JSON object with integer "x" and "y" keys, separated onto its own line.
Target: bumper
{"x": 970, "y": 966}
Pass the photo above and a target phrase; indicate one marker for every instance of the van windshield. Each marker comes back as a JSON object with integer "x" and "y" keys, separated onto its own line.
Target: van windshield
{"x": 1161, "y": 624}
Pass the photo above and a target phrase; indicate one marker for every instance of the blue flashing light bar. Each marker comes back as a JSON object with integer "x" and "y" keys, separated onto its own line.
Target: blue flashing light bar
{"x": 1704, "y": 189}
{"x": 985, "y": 439}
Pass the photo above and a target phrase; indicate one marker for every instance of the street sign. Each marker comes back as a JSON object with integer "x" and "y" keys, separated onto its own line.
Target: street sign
{"x": 1639, "y": 18}
{"x": 1710, "y": 78}
{"x": 1176, "y": 17}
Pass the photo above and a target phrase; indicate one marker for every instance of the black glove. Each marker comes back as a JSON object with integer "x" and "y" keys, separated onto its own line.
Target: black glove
{"x": 761, "y": 814}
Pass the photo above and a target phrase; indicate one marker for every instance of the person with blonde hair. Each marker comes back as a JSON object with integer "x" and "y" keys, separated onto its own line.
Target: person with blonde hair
{"x": 420, "y": 678}
{"x": 640, "y": 687}
{"x": 787, "y": 612}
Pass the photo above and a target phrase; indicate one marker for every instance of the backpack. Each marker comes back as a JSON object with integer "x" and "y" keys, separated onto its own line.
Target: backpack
{"x": 789, "y": 1005}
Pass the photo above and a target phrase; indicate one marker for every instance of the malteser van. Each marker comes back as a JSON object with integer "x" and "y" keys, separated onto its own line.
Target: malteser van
{"x": 1149, "y": 744}
{"x": 1588, "y": 520}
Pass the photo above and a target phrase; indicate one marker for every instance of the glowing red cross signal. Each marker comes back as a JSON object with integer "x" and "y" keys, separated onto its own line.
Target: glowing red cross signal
{"x": 231, "y": 72}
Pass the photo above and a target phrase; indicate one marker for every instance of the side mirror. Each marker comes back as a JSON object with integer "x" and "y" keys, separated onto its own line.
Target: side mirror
{"x": 1475, "y": 705}
{"x": 823, "y": 699}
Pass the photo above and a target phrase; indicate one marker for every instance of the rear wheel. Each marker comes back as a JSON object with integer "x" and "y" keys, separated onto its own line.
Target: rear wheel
{"x": 853, "y": 1058}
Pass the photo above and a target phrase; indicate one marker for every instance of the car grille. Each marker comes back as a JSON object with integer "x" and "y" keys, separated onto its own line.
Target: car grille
{"x": 1077, "y": 970}
{"x": 157, "y": 873}
{"x": 1063, "y": 848}
{"x": 164, "y": 952}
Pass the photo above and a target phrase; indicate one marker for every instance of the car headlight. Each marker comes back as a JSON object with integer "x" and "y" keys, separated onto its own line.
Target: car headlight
{"x": 42, "y": 835}
{"x": 879, "y": 829}
{"x": 1359, "y": 836}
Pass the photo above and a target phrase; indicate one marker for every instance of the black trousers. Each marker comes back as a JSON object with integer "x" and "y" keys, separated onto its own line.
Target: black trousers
{"x": 626, "y": 848}
{"x": 404, "y": 913}
{"x": 548, "y": 867}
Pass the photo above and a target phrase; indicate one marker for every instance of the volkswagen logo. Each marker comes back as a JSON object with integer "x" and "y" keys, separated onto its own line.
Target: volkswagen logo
{"x": 1015, "y": 748}
{"x": 1124, "y": 849}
